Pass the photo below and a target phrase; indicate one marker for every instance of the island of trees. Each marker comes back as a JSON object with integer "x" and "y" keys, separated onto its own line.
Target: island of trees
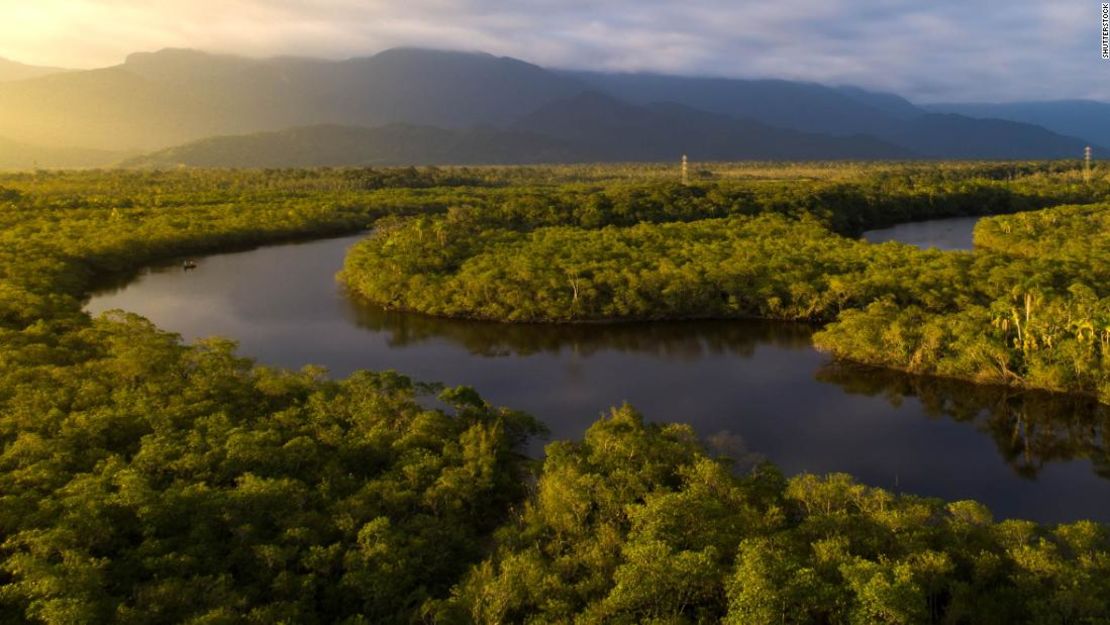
{"x": 143, "y": 480}
{"x": 1022, "y": 310}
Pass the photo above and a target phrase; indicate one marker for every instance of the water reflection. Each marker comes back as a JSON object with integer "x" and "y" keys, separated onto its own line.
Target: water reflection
{"x": 954, "y": 233}
{"x": 687, "y": 341}
{"x": 1031, "y": 429}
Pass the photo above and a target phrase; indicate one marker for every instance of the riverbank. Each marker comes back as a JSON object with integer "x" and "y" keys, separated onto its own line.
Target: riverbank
{"x": 989, "y": 317}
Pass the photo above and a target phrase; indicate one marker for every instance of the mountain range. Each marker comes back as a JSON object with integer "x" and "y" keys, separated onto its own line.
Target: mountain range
{"x": 416, "y": 106}
{"x": 13, "y": 70}
{"x": 1078, "y": 118}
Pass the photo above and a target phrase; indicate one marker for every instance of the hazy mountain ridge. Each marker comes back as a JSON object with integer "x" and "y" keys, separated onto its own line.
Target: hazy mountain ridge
{"x": 175, "y": 97}
{"x": 1086, "y": 119}
{"x": 330, "y": 145}
{"x": 798, "y": 105}
{"x": 13, "y": 70}
{"x": 156, "y": 100}
{"x": 589, "y": 127}
{"x": 947, "y": 135}
{"x": 610, "y": 129}
{"x": 844, "y": 110}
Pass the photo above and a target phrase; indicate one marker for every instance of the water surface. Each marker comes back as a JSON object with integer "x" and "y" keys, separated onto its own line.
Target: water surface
{"x": 946, "y": 234}
{"x": 753, "y": 389}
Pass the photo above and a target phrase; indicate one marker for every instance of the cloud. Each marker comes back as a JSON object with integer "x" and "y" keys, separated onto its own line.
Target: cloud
{"x": 929, "y": 51}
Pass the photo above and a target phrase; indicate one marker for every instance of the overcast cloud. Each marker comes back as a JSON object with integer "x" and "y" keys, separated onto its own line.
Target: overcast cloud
{"x": 972, "y": 50}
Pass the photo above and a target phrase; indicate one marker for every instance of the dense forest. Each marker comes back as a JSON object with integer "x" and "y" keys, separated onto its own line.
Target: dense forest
{"x": 143, "y": 480}
{"x": 636, "y": 524}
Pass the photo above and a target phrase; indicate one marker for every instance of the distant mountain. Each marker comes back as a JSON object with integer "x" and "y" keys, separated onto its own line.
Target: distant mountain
{"x": 160, "y": 99}
{"x": 409, "y": 85}
{"x": 15, "y": 155}
{"x": 12, "y": 70}
{"x": 811, "y": 107}
{"x": 1077, "y": 118}
{"x": 333, "y": 146}
{"x": 611, "y": 130}
{"x": 888, "y": 103}
{"x": 957, "y": 136}
{"x": 589, "y": 127}
{"x": 112, "y": 109}
{"x": 172, "y": 97}
{"x": 798, "y": 105}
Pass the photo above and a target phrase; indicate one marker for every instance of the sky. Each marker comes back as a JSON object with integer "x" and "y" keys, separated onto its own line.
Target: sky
{"x": 926, "y": 50}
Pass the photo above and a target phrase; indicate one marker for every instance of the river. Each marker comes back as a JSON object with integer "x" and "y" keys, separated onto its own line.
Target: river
{"x": 945, "y": 234}
{"x": 751, "y": 389}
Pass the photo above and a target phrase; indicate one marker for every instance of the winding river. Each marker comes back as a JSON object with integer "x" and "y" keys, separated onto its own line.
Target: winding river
{"x": 751, "y": 389}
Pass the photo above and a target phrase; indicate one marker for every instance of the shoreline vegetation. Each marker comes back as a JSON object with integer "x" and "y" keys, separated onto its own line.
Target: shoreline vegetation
{"x": 999, "y": 315}
{"x": 143, "y": 480}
